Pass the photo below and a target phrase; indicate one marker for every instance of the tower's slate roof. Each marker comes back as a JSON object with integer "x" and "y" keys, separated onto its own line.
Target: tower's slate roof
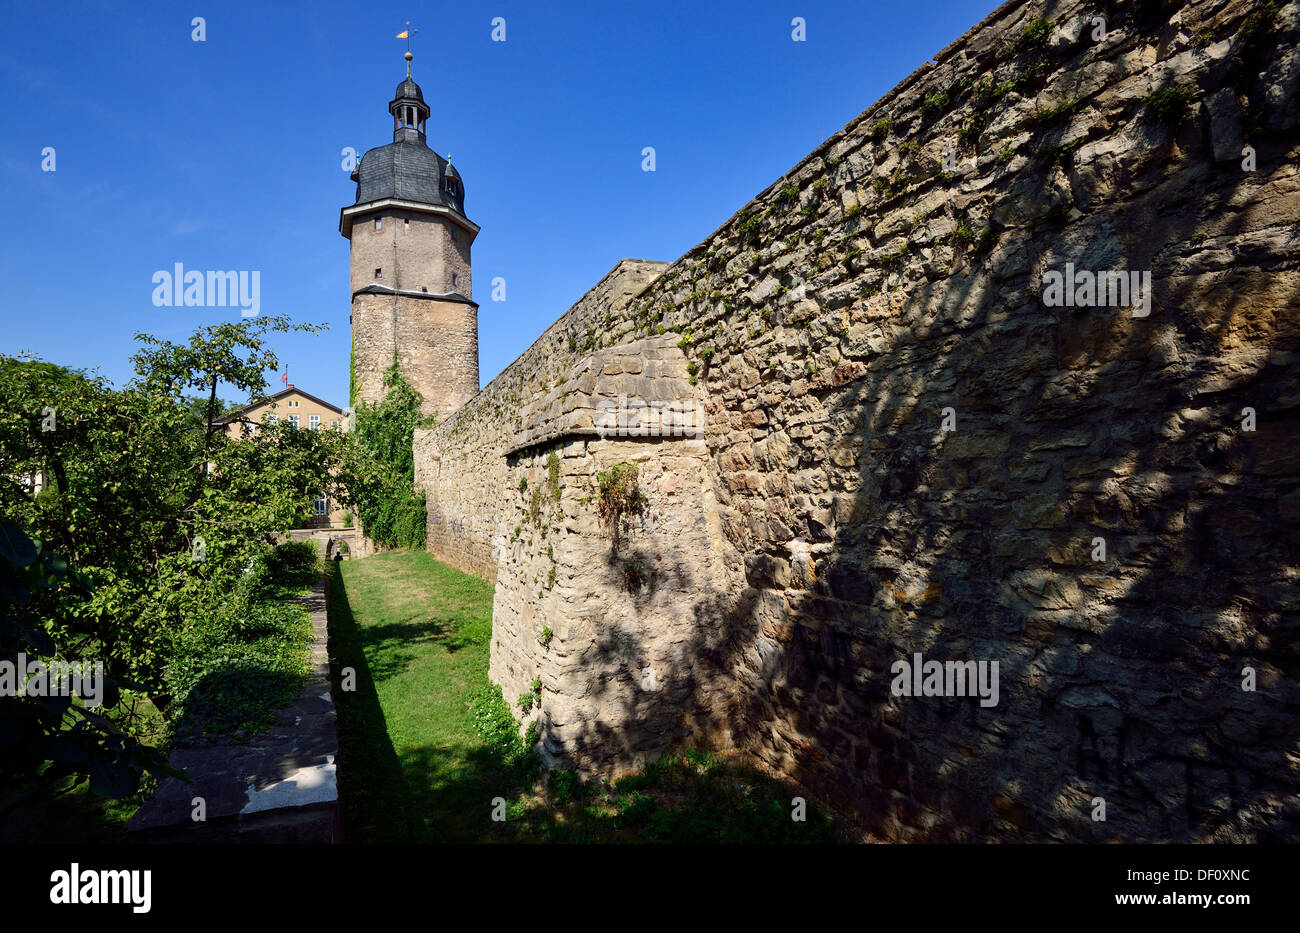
{"x": 407, "y": 169}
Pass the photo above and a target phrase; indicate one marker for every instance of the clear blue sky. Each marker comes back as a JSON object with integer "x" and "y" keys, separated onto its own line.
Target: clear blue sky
{"x": 225, "y": 154}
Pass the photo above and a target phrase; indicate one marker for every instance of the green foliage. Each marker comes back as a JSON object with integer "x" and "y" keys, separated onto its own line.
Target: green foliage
{"x": 1057, "y": 113}
{"x": 553, "y": 474}
{"x": 547, "y": 634}
{"x": 891, "y": 186}
{"x": 565, "y": 787}
{"x": 1059, "y": 155}
{"x": 1254, "y": 43}
{"x": 160, "y": 512}
{"x": 880, "y": 129}
{"x": 48, "y": 739}
{"x": 378, "y": 478}
{"x": 620, "y": 498}
{"x": 1032, "y": 36}
{"x": 1168, "y": 105}
{"x": 934, "y": 104}
{"x": 894, "y": 258}
{"x": 234, "y": 669}
{"x": 633, "y": 575}
{"x": 970, "y": 131}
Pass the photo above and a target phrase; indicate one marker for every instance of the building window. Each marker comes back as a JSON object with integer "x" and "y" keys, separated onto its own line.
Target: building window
{"x": 313, "y": 422}
{"x": 407, "y": 221}
{"x": 321, "y": 505}
{"x": 293, "y": 420}
{"x": 335, "y": 424}
{"x": 453, "y": 280}
{"x": 379, "y": 223}
{"x": 378, "y": 273}
{"x": 272, "y": 419}
{"x": 454, "y": 238}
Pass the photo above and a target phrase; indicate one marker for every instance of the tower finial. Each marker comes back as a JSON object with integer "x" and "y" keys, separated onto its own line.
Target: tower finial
{"x": 406, "y": 34}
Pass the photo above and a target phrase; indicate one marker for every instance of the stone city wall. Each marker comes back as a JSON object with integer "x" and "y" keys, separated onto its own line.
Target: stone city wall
{"x": 915, "y": 444}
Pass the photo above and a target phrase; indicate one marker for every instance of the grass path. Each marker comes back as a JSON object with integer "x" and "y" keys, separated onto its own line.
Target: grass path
{"x": 412, "y": 766}
{"x": 426, "y": 742}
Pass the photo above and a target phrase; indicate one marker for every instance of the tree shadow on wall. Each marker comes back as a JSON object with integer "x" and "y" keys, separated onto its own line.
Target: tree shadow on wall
{"x": 1120, "y": 678}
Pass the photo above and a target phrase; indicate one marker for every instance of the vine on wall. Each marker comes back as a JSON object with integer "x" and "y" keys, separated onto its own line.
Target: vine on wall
{"x": 381, "y": 474}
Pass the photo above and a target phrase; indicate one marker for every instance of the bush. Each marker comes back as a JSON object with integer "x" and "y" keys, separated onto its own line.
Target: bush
{"x": 1169, "y": 105}
{"x": 295, "y": 563}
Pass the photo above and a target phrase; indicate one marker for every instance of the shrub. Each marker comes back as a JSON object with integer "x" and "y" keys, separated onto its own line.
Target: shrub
{"x": 633, "y": 575}
{"x": 553, "y": 474}
{"x": 620, "y": 497}
{"x": 934, "y": 104}
{"x": 1168, "y": 105}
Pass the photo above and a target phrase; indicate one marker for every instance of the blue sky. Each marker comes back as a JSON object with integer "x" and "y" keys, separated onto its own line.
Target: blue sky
{"x": 226, "y": 154}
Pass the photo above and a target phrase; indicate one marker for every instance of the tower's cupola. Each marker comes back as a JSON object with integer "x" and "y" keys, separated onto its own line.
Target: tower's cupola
{"x": 408, "y": 109}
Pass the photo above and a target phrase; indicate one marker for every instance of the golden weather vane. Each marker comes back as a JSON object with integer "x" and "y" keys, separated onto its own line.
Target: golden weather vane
{"x": 406, "y": 34}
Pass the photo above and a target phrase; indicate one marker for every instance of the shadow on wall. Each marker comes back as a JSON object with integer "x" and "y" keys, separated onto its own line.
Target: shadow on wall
{"x": 1121, "y": 678}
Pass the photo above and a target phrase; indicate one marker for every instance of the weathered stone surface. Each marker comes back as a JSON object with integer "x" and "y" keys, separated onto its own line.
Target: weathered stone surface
{"x": 827, "y": 527}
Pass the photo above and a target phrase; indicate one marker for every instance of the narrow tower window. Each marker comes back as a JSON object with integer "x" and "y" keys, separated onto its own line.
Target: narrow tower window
{"x": 379, "y": 223}
{"x": 379, "y": 273}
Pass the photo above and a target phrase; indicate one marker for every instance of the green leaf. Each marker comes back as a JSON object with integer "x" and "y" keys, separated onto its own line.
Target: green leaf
{"x": 15, "y": 546}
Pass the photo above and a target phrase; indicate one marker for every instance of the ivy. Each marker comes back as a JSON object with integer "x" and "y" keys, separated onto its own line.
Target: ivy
{"x": 380, "y": 478}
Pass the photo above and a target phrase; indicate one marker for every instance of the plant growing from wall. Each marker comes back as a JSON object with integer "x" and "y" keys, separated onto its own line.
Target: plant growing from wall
{"x": 620, "y": 500}
{"x": 553, "y": 474}
{"x": 380, "y": 470}
{"x": 1168, "y": 105}
{"x": 633, "y": 575}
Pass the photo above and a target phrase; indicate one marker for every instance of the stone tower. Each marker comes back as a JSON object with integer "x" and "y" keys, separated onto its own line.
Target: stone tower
{"x": 411, "y": 293}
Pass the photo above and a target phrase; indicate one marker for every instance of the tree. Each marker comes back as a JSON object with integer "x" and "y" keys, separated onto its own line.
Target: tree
{"x": 159, "y": 511}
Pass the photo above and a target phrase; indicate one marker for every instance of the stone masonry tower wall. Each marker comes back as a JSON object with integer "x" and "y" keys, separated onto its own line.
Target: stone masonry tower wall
{"x": 911, "y": 447}
{"x": 410, "y": 278}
